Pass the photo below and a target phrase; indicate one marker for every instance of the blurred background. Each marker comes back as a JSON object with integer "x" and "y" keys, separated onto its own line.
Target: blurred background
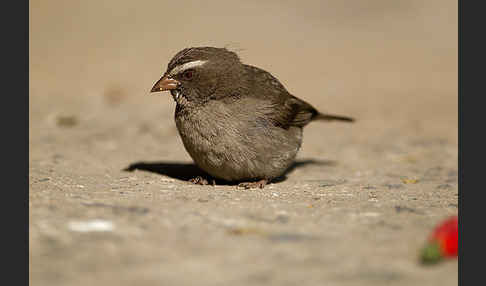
{"x": 352, "y": 220}
{"x": 391, "y": 56}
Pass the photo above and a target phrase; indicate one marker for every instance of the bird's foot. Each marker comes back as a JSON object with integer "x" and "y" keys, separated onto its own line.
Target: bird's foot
{"x": 253, "y": 185}
{"x": 201, "y": 181}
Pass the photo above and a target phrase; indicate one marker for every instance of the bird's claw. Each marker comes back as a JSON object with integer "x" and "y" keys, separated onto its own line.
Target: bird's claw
{"x": 202, "y": 181}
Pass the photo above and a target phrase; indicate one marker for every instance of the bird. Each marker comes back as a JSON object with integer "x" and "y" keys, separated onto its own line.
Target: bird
{"x": 237, "y": 121}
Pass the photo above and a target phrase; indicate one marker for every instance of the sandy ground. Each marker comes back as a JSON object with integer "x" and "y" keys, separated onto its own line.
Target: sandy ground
{"x": 109, "y": 204}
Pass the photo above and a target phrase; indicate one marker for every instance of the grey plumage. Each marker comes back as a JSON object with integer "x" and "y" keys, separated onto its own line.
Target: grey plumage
{"x": 236, "y": 121}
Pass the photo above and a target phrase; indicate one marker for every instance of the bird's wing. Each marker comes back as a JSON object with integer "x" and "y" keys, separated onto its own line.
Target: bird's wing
{"x": 291, "y": 111}
{"x": 277, "y": 103}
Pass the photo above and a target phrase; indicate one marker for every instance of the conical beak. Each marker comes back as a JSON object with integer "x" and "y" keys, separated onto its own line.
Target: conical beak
{"x": 165, "y": 83}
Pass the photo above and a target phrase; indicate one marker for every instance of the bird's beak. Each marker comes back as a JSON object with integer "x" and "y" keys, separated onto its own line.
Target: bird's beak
{"x": 165, "y": 83}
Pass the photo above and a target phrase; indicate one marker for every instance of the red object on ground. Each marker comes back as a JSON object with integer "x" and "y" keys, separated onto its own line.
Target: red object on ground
{"x": 442, "y": 242}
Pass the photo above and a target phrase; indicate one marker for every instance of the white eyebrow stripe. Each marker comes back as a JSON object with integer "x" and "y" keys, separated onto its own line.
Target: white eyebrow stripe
{"x": 186, "y": 66}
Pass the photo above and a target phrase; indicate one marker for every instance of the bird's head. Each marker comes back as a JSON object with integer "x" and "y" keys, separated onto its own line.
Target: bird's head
{"x": 195, "y": 75}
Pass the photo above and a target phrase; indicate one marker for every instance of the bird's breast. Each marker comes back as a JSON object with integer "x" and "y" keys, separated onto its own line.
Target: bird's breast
{"x": 209, "y": 135}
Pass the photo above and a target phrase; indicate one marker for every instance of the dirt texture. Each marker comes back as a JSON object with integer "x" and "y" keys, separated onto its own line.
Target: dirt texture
{"x": 109, "y": 201}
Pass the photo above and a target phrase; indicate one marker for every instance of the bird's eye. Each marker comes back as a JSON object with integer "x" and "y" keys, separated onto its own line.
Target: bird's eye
{"x": 188, "y": 74}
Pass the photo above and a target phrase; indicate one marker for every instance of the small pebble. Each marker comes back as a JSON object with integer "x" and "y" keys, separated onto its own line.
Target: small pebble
{"x": 66, "y": 121}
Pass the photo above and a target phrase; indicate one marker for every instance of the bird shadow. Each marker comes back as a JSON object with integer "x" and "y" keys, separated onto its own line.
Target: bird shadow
{"x": 187, "y": 171}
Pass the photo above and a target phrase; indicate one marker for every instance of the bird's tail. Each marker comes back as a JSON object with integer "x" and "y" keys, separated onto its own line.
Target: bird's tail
{"x": 330, "y": 117}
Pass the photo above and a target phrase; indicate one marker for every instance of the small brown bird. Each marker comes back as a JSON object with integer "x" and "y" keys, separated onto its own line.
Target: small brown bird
{"x": 237, "y": 121}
